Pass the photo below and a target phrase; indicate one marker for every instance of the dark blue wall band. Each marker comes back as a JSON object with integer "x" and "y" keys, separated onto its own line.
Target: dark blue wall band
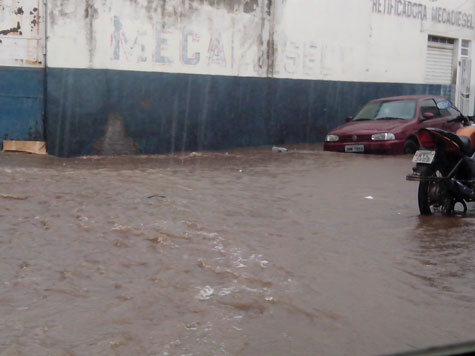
{"x": 115, "y": 112}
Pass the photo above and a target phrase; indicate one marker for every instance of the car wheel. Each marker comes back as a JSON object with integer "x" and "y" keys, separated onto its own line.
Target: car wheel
{"x": 410, "y": 147}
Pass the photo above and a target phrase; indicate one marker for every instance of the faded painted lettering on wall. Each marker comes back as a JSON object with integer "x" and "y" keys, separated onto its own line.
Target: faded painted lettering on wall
{"x": 188, "y": 51}
{"x": 222, "y": 47}
{"x": 415, "y": 10}
{"x": 174, "y": 45}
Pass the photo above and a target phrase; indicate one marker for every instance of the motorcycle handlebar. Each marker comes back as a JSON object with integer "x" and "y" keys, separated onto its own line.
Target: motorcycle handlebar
{"x": 458, "y": 118}
{"x": 467, "y": 120}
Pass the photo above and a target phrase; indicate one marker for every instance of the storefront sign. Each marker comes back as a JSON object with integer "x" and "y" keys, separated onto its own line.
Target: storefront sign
{"x": 422, "y": 12}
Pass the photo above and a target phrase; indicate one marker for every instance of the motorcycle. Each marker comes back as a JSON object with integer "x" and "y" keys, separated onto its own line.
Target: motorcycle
{"x": 445, "y": 168}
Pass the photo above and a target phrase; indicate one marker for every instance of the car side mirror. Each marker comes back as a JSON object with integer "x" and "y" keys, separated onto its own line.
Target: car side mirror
{"x": 428, "y": 116}
{"x": 349, "y": 118}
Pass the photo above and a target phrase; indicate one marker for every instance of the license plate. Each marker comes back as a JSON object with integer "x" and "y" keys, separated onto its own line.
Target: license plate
{"x": 354, "y": 148}
{"x": 424, "y": 157}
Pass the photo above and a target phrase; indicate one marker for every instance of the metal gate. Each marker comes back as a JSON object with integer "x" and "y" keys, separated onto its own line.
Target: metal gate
{"x": 439, "y": 61}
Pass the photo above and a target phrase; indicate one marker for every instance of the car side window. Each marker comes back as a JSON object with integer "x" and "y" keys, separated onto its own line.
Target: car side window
{"x": 429, "y": 106}
{"x": 446, "y": 108}
{"x": 452, "y": 112}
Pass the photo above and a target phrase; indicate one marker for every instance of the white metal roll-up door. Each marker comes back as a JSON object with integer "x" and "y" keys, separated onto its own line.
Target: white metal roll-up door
{"x": 439, "y": 63}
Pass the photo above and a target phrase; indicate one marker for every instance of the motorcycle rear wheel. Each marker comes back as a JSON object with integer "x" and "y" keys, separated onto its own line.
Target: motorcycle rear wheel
{"x": 432, "y": 195}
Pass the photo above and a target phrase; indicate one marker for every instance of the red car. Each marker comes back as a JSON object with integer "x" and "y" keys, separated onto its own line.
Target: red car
{"x": 388, "y": 125}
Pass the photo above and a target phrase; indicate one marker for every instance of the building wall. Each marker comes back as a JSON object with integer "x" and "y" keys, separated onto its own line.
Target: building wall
{"x": 21, "y": 70}
{"x": 365, "y": 41}
{"x": 143, "y": 76}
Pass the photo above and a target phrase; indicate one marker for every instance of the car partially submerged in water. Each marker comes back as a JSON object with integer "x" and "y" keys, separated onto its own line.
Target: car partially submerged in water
{"x": 389, "y": 125}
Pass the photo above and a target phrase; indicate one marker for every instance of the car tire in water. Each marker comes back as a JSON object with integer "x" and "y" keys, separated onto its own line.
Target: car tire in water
{"x": 410, "y": 147}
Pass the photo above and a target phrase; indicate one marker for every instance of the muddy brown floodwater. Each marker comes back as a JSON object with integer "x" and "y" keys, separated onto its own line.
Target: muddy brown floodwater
{"x": 248, "y": 252}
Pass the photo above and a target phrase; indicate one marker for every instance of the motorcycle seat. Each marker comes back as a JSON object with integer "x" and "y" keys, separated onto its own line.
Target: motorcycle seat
{"x": 462, "y": 141}
{"x": 468, "y": 131}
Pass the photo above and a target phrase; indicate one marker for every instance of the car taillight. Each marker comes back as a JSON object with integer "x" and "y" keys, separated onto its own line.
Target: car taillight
{"x": 427, "y": 140}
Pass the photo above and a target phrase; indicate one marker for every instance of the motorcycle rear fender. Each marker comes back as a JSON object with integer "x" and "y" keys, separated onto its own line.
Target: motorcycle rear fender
{"x": 420, "y": 168}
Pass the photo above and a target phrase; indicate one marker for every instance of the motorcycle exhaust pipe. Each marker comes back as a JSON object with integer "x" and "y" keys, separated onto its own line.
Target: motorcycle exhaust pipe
{"x": 462, "y": 189}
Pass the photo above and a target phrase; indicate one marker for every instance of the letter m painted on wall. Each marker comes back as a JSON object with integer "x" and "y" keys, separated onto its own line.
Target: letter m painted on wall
{"x": 133, "y": 49}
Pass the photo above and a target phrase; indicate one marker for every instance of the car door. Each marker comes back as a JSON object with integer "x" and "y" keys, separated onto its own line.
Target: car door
{"x": 438, "y": 121}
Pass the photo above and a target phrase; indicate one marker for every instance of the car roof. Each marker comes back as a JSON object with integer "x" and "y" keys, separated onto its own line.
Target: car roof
{"x": 410, "y": 97}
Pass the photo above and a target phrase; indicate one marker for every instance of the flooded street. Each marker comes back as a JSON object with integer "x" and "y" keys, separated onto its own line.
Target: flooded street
{"x": 246, "y": 252}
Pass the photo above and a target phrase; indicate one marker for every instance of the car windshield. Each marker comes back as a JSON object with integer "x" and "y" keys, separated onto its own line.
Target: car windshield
{"x": 388, "y": 110}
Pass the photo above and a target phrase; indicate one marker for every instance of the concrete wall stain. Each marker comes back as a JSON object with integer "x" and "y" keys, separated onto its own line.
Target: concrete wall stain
{"x": 35, "y": 22}
{"x": 180, "y": 8}
{"x": 250, "y": 6}
{"x": 90, "y": 14}
{"x": 60, "y": 9}
{"x": 115, "y": 140}
{"x": 264, "y": 40}
{"x": 269, "y": 7}
{"x": 14, "y": 30}
{"x": 231, "y": 6}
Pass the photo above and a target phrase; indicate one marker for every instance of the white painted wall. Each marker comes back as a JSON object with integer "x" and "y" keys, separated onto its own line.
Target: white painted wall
{"x": 356, "y": 40}
{"x": 22, "y": 33}
{"x": 182, "y": 36}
